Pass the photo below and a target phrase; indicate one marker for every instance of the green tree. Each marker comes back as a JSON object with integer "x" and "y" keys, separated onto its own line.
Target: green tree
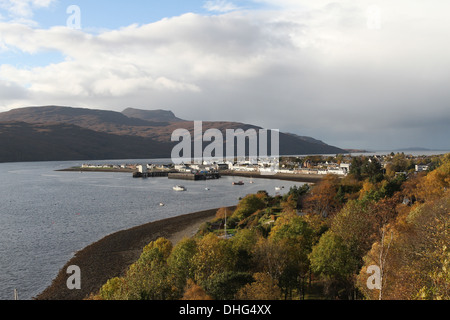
{"x": 297, "y": 237}
{"x": 180, "y": 263}
{"x": 243, "y": 244}
{"x": 114, "y": 289}
{"x": 149, "y": 277}
{"x": 333, "y": 260}
{"x": 249, "y": 205}
{"x": 224, "y": 286}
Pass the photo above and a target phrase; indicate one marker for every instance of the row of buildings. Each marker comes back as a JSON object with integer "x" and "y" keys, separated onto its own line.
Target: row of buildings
{"x": 290, "y": 166}
{"x": 262, "y": 166}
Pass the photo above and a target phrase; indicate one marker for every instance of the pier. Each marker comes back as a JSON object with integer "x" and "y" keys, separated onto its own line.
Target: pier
{"x": 178, "y": 175}
{"x": 194, "y": 176}
{"x": 152, "y": 174}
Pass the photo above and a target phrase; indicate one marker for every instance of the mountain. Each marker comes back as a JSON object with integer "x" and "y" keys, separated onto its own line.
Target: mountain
{"x": 151, "y": 115}
{"x": 414, "y": 149}
{"x": 21, "y": 142}
{"x": 66, "y": 133}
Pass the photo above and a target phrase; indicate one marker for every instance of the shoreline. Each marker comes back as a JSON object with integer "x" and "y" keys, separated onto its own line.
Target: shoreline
{"x": 111, "y": 256}
{"x": 306, "y": 178}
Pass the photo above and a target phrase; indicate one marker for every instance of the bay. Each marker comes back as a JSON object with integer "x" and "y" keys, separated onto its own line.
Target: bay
{"x": 46, "y": 216}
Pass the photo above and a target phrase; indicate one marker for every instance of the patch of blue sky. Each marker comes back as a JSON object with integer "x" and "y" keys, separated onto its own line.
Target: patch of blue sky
{"x": 109, "y": 15}
{"x": 24, "y": 60}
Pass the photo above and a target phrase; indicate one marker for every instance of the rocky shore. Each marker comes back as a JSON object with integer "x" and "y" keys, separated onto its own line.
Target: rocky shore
{"x": 111, "y": 256}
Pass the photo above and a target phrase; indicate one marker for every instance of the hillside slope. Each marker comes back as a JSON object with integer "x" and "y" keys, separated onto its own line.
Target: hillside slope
{"x": 98, "y": 134}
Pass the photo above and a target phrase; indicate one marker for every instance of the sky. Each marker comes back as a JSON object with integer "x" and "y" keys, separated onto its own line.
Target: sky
{"x": 367, "y": 74}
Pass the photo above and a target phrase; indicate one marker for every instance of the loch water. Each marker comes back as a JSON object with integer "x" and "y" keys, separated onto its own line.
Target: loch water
{"x": 47, "y": 215}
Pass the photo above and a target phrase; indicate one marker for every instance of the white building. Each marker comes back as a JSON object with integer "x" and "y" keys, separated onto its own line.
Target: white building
{"x": 142, "y": 168}
{"x": 182, "y": 168}
{"x": 421, "y": 168}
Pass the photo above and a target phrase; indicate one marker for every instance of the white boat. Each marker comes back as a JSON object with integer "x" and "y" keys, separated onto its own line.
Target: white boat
{"x": 179, "y": 188}
{"x": 278, "y": 188}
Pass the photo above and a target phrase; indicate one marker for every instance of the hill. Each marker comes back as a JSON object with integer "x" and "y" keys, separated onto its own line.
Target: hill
{"x": 98, "y": 134}
{"x": 21, "y": 142}
{"x": 151, "y": 115}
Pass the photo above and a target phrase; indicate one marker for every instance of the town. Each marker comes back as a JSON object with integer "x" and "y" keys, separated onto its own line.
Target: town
{"x": 312, "y": 165}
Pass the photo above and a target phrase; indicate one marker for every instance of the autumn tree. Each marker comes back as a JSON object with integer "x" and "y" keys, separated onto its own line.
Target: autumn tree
{"x": 149, "y": 277}
{"x": 213, "y": 256}
{"x": 322, "y": 199}
{"x": 195, "y": 292}
{"x": 270, "y": 257}
{"x": 435, "y": 183}
{"x": 263, "y": 288}
{"x": 416, "y": 253}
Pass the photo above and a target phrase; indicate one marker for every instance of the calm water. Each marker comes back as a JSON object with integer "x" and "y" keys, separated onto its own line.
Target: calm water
{"x": 47, "y": 216}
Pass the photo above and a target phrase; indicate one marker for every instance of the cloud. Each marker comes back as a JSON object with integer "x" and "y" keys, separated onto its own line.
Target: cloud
{"x": 22, "y": 11}
{"x": 312, "y": 68}
{"x": 220, "y": 6}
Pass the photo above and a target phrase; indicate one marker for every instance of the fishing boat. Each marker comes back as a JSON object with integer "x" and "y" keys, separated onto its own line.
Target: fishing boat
{"x": 179, "y": 188}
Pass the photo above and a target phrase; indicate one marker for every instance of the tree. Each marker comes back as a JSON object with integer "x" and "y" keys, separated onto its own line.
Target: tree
{"x": 249, "y": 205}
{"x": 296, "y": 236}
{"x": 416, "y": 252}
{"x": 114, "y": 289}
{"x": 195, "y": 292}
{"x": 243, "y": 244}
{"x": 296, "y": 195}
{"x": 333, "y": 260}
{"x": 149, "y": 277}
{"x": 213, "y": 256}
{"x": 224, "y": 286}
{"x": 435, "y": 184}
{"x": 263, "y": 288}
{"x": 322, "y": 199}
{"x": 270, "y": 257}
{"x": 363, "y": 168}
{"x": 355, "y": 225}
{"x": 180, "y": 263}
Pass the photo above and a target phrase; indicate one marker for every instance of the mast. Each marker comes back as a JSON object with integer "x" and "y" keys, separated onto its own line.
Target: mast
{"x": 225, "y": 223}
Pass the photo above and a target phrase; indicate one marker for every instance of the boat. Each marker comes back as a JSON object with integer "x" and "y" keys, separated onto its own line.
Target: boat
{"x": 179, "y": 188}
{"x": 240, "y": 183}
{"x": 161, "y": 204}
{"x": 278, "y": 188}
